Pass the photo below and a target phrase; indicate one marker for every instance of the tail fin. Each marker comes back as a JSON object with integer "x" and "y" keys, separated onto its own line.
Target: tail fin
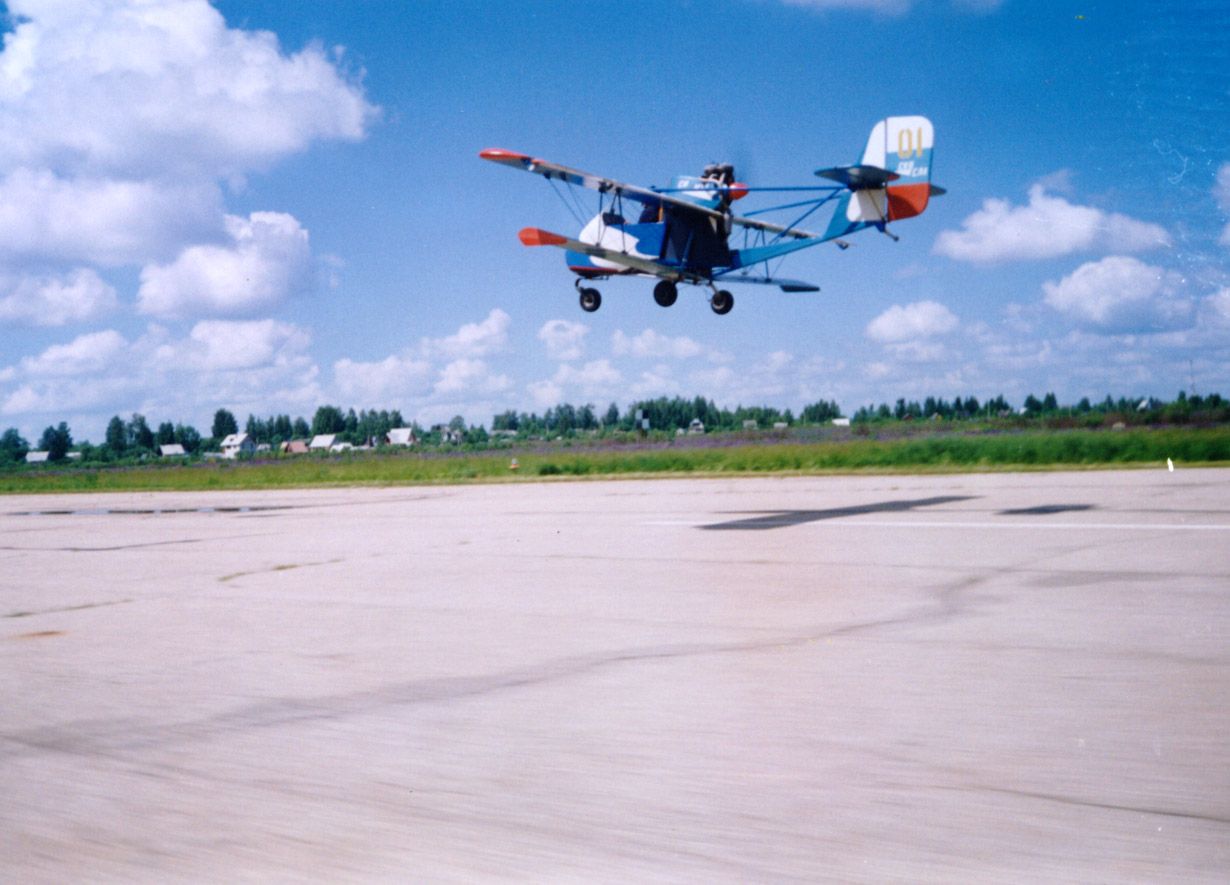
{"x": 892, "y": 180}
{"x": 903, "y": 145}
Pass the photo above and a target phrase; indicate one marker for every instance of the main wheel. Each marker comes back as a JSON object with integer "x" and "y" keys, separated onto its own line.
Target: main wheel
{"x": 591, "y": 300}
{"x": 721, "y": 302}
{"x": 665, "y": 293}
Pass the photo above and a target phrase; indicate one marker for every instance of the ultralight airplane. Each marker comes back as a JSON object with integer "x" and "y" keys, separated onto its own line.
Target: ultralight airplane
{"x": 683, "y": 233}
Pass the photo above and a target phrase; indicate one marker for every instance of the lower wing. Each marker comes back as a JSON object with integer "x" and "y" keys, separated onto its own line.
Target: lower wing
{"x": 533, "y": 236}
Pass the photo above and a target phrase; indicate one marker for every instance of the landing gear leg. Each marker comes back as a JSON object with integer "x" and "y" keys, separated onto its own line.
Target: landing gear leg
{"x": 721, "y": 302}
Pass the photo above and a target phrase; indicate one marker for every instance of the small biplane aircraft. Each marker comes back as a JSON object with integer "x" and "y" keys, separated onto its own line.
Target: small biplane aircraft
{"x": 682, "y": 233}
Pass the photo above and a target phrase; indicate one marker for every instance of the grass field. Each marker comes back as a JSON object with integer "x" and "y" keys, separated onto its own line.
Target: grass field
{"x": 935, "y": 453}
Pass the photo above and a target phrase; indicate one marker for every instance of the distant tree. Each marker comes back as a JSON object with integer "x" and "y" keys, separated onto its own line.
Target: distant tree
{"x": 505, "y": 421}
{"x": 12, "y": 446}
{"x": 166, "y": 433}
{"x": 1050, "y": 403}
{"x": 117, "y": 436}
{"x": 999, "y": 405}
{"x": 282, "y": 429}
{"x": 56, "y": 442}
{"x": 224, "y": 424}
{"x": 328, "y": 419}
{"x": 1033, "y": 405}
{"x": 611, "y": 418}
{"x": 188, "y": 437}
{"x": 300, "y": 429}
{"x": 822, "y": 412}
{"x": 139, "y": 434}
{"x": 458, "y": 423}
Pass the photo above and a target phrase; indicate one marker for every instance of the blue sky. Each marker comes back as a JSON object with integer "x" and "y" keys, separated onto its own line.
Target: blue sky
{"x": 268, "y": 207}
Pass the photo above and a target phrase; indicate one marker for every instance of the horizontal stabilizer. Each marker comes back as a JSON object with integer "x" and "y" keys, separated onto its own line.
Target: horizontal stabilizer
{"x": 937, "y": 191}
{"x": 859, "y": 178}
{"x": 796, "y": 286}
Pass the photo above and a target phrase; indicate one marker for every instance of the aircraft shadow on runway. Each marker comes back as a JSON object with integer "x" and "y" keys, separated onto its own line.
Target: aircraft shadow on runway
{"x": 1047, "y": 509}
{"x": 784, "y": 518}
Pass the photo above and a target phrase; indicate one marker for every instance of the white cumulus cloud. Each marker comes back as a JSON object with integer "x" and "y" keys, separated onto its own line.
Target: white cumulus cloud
{"x": 394, "y": 379}
{"x": 653, "y": 345}
{"x": 1120, "y": 294}
{"x": 1047, "y": 227}
{"x": 229, "y": 345}
{"x": 86, "y": 354}
{"x": 911, "y": 322}
{"x": 473, "y": 339}
{"x": 253, "y": 366}
{"x": 161, "y": 89}
{"x": 45, "y": 217}
{"x": 565, "y": 340}
{"x": 470, "y": 376}
{"x": 267, "y": 259}
{"x": 594, "y": 380}
{"x": 119, "y": 119}
{"x": 76, "y": 297}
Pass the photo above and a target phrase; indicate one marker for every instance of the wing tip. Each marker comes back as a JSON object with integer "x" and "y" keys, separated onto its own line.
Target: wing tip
{"x": 534, "y": 236}
{"x": 499, "y": 155}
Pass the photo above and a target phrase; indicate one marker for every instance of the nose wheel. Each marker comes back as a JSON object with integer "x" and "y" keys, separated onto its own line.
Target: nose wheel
{"x": 721, "y": 302}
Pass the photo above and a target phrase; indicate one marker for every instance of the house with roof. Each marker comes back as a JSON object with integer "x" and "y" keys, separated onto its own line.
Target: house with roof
{"x": 295, "y": 447}
{"x": 402, "y": 436}
{"x": 322, "y": 442}
{"x": 37, "y": 457}
{"x": 171, "y": 450}
{"x": 237, "y": 444}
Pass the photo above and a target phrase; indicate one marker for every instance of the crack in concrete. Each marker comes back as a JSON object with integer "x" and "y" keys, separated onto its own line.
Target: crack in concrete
{"x": 1090, "y": 803}
{"x": 117, "y": 737}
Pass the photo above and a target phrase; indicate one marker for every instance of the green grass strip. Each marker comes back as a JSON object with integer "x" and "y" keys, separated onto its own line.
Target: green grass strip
{"x": 955, "y": 453}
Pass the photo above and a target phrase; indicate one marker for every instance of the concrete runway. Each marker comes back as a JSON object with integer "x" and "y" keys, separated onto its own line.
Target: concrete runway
{"x": 986, "y": 677}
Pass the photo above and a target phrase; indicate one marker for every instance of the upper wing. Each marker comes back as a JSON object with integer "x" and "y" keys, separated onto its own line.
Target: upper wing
{"x": 599, "y": 183}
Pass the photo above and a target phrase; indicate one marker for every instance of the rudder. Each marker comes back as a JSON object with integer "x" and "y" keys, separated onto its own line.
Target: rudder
{"x": 903, "y": 146}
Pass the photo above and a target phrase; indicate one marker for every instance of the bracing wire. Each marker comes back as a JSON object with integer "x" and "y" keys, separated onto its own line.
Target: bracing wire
{"x": 567, "y": 205}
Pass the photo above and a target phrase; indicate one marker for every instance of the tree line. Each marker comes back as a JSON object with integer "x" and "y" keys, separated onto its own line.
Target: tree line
{"x": 1183, "y": 409}
{"x": 135, "y": 439}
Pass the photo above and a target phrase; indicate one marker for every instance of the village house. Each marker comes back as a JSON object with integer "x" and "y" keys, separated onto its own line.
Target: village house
{"x": 237, "y": 444}
{"x": 402, "y": 436}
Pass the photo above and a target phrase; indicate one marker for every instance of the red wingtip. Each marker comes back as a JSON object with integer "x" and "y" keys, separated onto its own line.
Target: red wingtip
{"x": 499, "y": 155}
{"x": 738, "y": 191}
{"x": 533, "y": 236}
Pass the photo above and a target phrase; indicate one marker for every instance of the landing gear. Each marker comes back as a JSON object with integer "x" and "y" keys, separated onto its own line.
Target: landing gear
{"x": 591, "y": 300}
{"x": 665, "y": 293}
{"x": 721, "y": 302}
